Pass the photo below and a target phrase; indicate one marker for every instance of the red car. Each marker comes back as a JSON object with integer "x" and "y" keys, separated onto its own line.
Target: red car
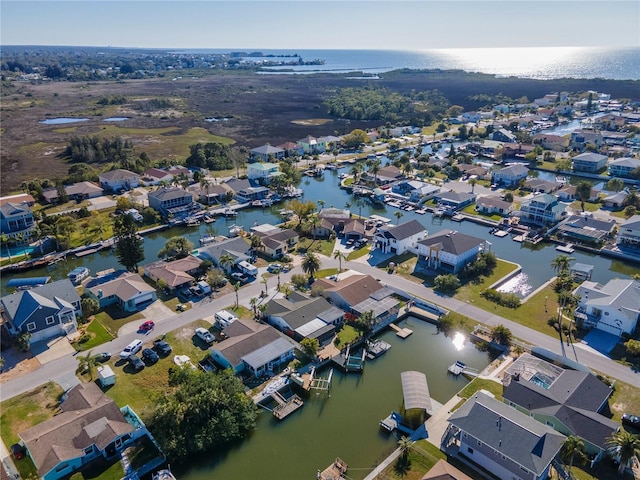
{"x": 147, "y": 326}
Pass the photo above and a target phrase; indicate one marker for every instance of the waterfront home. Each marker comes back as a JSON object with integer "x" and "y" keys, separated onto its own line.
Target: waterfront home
{"x": 330, "y": 142}
{"x": 623, "y": 167}
{"x": 46, "y": 311}
{"x": 443, "y": 470}
{"x": 91, "y": 428}
{"x": 78, "y": 191}
{"x": 502, "y": 440}
{"x": 209, "y": 194}
{"x": 586, "y": 229}
{"x": 276, "y": 241}
{"x": 261, "y": 173}
{"x": 16, "y": 220}
{"x": 549, "y": 141}
{"x": 504, "y": 135}
{"x": 609, "y": 121}
{"x": 615, "y": 201}
{"x": 155, "y": 176}
{"x": 126, "y": 289}
{"x": 399, "y": 239}
{"x": 510, "y": 176}
{"x": 291, "y": 149}
{"x": 517, "y": 150}
{"x": 629, "y": 234}
{"x": 310, "y": 145}
{"x": 583, "y": 137}
{"x": 613, "y": 308}
{"x": 266, "y": 153}
{"x": 569, "y": 401}
{"x": 489, "y": 148}
{"x": 406, "y": 186}
{"x": 453, "y": 201}
{"x": 174, "y": 274}
{"x": 19, "y": 199}
{"x": 249, "y": 347}
{"x": 251, "y": 194}
{"x": 423, "y": 193}
{"x": 118, "y": 180}
{"x": 492, "y": 204}
{"x": 542, "y": 209}
{"x": 589, "y": 162}
{"x": 471, "y": 170}
{"x": 448, "y": 251}
{"x": 236, "y": 247}
{"x": 300, "y": 316}
{"x": 540, "y": 185}
{"x": 237, "y": 184}
{"x": 172, "y": 202}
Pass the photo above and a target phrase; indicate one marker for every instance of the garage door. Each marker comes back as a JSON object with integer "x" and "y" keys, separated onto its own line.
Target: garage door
{"x": 612, "y": 329}
{"x": 147, "y": 297}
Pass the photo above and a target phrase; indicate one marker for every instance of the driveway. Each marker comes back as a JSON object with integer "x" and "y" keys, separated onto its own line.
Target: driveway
{"x": 101, "y": 203}
{"x": 156, "y": 311}
{"x": 49, "y": 350}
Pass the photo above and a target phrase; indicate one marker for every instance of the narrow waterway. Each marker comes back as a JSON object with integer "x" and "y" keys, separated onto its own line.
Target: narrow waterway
{"x": 346, "y": 424}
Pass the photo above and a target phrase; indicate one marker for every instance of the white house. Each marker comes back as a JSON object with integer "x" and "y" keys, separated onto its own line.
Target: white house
{"x": 399, "y": 239}
{"x": 448, "y": 251}
{"x": 613, "y": 308}
{"x": 589, "y": 162}
{"x": 118, "y": 179}
{"x": 622, "y": 167}
{"x": 629, "y": 233}
{"x": 542, "y": 209}
{"x": 510, "y": 175}
{"x": 262, "y": 172}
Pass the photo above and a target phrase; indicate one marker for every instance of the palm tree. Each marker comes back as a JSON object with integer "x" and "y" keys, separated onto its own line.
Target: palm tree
{"x": 236, "y": 287}
{"x": 501, "y": 335}
{"x": 359, "y": 203}
{"x": 375, "y": 169}
{"x": 87, "y": 363}
{"x": 624, "y": 446}
{"x": 321, "y": 204}
{"x": 573, "y": 446}
{"x": 204, "y": 183}
{"x": 472, "y": 182}
{"x": 398, "y": 214}
{"x": 561, "y": 264}
{"x": 310, "y": 264}
{"x": 583, "y": 190}
{"x": 404, "y": 444}
{"x": 254, "y": 306}
{"x": 226, "y": 261}
{"x": 338, "y": 255}
{"x": 264, "y": 281}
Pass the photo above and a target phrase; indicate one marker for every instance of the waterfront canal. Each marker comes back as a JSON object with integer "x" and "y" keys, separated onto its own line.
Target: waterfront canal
{"x": 535, "y": 260}
{"x": 346, "y": 424}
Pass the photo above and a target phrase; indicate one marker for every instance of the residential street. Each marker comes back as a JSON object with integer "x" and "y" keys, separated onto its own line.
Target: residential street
{"x": 62, "y": 370}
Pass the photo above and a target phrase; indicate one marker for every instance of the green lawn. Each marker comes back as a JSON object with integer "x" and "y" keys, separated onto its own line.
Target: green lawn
{"x": 471, "y": 210}
{"x": 324, "y": 247}
{"x": 481, "y": 384}
{"x": 112, "y": 318}
{"x": 588, "y": 206}
{"x": 470, "y": 292}
{"x": 326, "y": 272}
{"x": 361, "y": 252}
{"x": 99, "y": 335}
{"x": 173, "y": 303}
{"x": 347, "y": 335}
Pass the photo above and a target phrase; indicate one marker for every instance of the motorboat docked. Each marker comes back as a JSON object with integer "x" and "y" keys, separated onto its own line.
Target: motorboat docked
{"x": 229, "y": 212}
{"x": 235, "y": 230}
{"x": 164, "y": 474}
{"x": 376, "y": 348}
{"x": 207, "y": 239}
{"x": 77, "y": 275}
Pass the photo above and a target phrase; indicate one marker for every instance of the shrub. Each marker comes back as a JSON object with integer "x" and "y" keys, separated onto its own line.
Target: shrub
{"x": 633, "y": 347}
{"x": 446, "y": 283}
{"x": 299, "y": 281}
{"x": 509, "y": 300}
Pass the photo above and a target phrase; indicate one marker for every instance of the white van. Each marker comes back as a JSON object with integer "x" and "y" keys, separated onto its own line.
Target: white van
{"x": 224, "y": 318}
{"x": 133, "y": 347}
{"x": 248, "y": 269}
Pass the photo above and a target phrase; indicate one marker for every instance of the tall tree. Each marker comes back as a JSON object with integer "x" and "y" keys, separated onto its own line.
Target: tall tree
{"x": 561, "y": 264}
{"x": 87, "y": 363}
{"x": 310, "y": 264}
{"x": 583, "y": 190}
{"x": 65, "y": 226}
{"x": 398, "y": 214}
{"x": 129, "y": 251}
{"x": 573, "y": 447}
{"x": 623, "y": 445}
{"x": 226, "y": 261}
{"x": 176, "y": 247}
{"x": 339, "y": 255}
{"x": 236, "y": 288}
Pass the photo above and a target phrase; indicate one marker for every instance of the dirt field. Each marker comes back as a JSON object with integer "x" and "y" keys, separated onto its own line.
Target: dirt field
{"x": 256, "y": 109}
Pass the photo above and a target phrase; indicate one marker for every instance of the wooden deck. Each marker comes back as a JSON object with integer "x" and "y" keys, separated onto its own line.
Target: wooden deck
{"x": 334, "y": 471}
{"x": 286, "y": 407}
{"x": 401, "y": 332}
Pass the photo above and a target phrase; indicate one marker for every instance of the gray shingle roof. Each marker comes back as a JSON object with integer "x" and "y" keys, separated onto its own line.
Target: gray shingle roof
{"x": 452, "y": 241}
{"x": 405, "y": 230}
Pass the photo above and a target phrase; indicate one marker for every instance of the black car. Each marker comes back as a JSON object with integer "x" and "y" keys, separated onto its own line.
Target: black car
{"x": 162, "y": 347}
{"x": 631, "y": 420}
{"x": 136, "y": 362}
{"x": 149, "y": 355}
{"x": 103, "y": 357}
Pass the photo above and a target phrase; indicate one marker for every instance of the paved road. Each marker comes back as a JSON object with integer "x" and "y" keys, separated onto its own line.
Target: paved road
{"x": 62, "y": 370}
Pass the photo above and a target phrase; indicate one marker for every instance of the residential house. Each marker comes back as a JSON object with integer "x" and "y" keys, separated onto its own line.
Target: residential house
{"x": 156, "y": 176}
{"x": 623, "y": 167}
{"x": 504, "y": 135}
{"x": 614, "y": 201}
{"x": 276, "y": 241}
{"x": 262, "y": 172}
{"x": 119, "y": 179}
{"x": 609, "y": 121}
{"x": 291, "y": 149}
{"x": 471, "y": 117}
{"x": 236, "y": 247}
{"x": 589, "y": 162}
{"x": 49, "y": 310}
{"x": 251, "y": 194}
{"x": 586, "y": 229}
{"x": 266, "y": 153}
{"x": 330, "y": 142}
{"x": 174, "y": 274}
{"x": 471, "y": 170}
{"x": 541, "y": 186}
{"x": 16, "y": 220}
{"x": 300, "y": 316}
{"x": 90, "y": 428}
{"x": 510, "y": 176}
{"x": 548, "y": 141}
{"x": 209, "y": 194}
{"x": 406, "y": 186}
{"x": 517, "y": 150}
{"x": 331, "y": 220}
{"x": 386, "y": 175}
{"x": 78, "y": 191}
{"x": 613, "y": 308}
{"x": 490, "y": 148}
{"x": 567, "y": 193}
{"x": 172, "y": 202}
{"x": 252, "y": 348}
{"x": 19, "y": 199}
{"x": 629, "y": 234}
{"x": 504, "y": 441}
{"x": 423, "y": 193}
{"x": 614, "y": 139}
{"x": 583, "y": 137}
{"x": 237, "y": 184}
{"x": 310, "y": 145}
{"x": 453, "y": 201}
{"x": 569, "y": 401}
{"x": 443, "y": 470}
{"x": 542, "y": 209}
{"x": 125, "y": 289}
{"x": 399, "y": 239}
{"x": 492, "y": 204}
{"x": 448, "y": 251}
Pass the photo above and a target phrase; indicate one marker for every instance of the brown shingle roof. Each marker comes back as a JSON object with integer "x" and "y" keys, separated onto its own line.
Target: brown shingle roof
{"x": 353, "y": 289}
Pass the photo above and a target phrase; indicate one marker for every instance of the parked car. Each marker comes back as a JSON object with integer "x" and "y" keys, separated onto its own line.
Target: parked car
{"x": 239, "y": 277}
{"x": 150, "y": 356}
{"x": 274, "y": 268}
{"x": 103, "y": 357}
{"x": 204, "y": 335}
{"x": 136, "y": 362}
{"x": 132, "y": 348}
{"x": 17, "y": 451}
{"x": 147, "y": 326}
{"x": 631, "y": 420}
{"x": 162, "y": 347}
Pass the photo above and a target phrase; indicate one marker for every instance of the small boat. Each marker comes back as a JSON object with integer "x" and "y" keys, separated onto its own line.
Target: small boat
{"x": 342, "y": 176}
{"x": 192, "y": 222}
{"x": 207, "y": 239}
{"x": 256, "y": 203}
{"x": 457, "y": 368}
{"x": 229, "y": 212}
{"x": 77, "y": 275}
{"x": 376, "y": 348}
{"x": 234, "y": 230}
{"x": 164, "y": 474}
{"x": 568, "y": 248}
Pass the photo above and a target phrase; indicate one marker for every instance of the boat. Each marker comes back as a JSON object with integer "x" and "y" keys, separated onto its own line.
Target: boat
{"x": 568, "y": 248}
{"x": 235, "y": 230}
{"x": 229, "y": 212}
{"x": 192, "y": 222}
{"x": 457, "y": 368}
{"x": 376, "y": 348}
{"x": 342, "y": 176}
{"x": 390, "y": 423}
{"x": 164, "y": 474}
{"x": 256, "y": 203}
{"x": 77, "y": 275}
{"x": 206, "y": 239}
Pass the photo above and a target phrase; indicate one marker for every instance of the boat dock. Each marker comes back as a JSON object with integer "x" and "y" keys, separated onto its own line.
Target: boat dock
{"x": 376, "y": 348}
{"x": 568, "y": 248}
{"x": 350, "y": 363}
{"x": 394, "y": 422}
{"x": 401, "y": 332}
{"x": 461, "y": 368}
{"x": 285, "y": 406}
{"x": 334, "y": 471}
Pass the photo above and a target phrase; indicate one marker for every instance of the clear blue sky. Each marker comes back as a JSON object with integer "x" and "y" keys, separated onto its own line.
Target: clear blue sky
{"x": 327, "y": 24}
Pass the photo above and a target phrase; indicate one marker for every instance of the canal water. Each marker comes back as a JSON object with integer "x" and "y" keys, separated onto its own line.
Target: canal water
{"x": 346, "y": 423}
{"x": 535, "y": 260}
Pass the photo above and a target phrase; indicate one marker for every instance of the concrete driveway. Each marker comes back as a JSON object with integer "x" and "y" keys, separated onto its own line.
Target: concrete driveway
{"x": 101, "y": 203}
{"x": 49, "y": 350}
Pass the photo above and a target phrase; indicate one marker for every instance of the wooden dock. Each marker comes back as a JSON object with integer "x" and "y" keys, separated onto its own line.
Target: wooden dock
{"x": 401, "y": 332}
{"x": 334, "y": 471}
{"x": 285, "y": 406}
{"x": 457, "y": 368}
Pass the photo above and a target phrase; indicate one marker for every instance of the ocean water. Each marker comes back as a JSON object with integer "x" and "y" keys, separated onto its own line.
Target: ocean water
{"x": 532, "y": 62}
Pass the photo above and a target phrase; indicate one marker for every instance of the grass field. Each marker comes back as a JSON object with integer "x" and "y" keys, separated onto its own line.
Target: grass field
{"x": 113, "y": 318}
{"x": 99, "y": 335}
{"x": 470, "y": 292}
